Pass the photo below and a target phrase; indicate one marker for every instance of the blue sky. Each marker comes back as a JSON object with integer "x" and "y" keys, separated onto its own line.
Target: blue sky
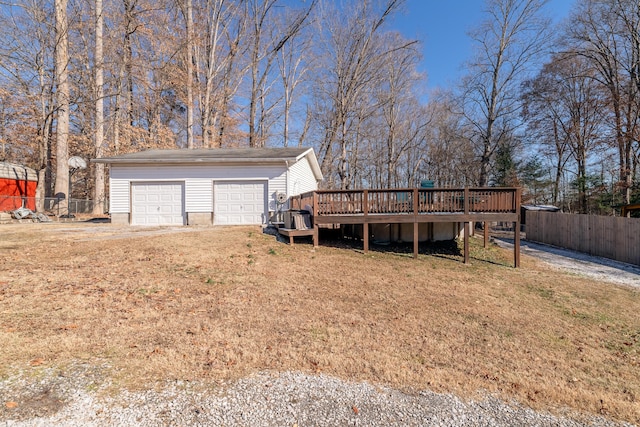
{"x": 442, "y": 25}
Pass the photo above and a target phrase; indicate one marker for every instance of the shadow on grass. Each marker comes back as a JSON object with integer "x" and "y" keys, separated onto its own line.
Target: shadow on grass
{"x": 98, "y": 220}
{"x": 445, "y": 249}
{"x": 448, "y": 249}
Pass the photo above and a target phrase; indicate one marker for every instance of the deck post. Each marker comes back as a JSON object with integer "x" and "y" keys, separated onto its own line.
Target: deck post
{"x": 416, "y": 201}
{"x": 516, "y": 245}
{"x": 316, "y": 234}
{"x": 316, "y": 238}
{"x": 365, "y": 224}
{"x": 467, "y": 225}
{"x": 415, "y": 239}
{"x": 516, "y": 230}
{"x": 365, "y": 237}
{"x": 485, "y": 226}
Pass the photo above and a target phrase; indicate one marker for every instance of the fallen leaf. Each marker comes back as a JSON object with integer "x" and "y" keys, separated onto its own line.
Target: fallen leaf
{"x": 11, "y": 405}
{"x": 355, "y": 410}
{"x": 37, "y": 362}
{"x": 69, "y": 327}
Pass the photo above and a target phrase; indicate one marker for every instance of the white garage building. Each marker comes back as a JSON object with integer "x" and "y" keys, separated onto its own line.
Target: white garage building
{"x": 206, "y": 186}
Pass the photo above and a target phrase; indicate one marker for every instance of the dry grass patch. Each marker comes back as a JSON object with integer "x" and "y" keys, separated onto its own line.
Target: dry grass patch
{"x": 221, "y": 303}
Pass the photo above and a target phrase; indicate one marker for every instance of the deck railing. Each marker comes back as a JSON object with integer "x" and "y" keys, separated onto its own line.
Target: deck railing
{"x": 302, "y": 201}
{"x": 408, "y": 201}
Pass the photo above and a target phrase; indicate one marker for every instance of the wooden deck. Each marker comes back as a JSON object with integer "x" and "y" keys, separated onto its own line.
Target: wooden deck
{"x": 415, "y": 206}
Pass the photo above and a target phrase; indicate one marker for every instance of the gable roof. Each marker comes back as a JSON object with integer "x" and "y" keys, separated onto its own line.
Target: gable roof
{"x": 218, "y": 156}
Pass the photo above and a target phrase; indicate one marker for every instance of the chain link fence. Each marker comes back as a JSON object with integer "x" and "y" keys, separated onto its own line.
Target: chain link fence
{"x": 52, "y": 205}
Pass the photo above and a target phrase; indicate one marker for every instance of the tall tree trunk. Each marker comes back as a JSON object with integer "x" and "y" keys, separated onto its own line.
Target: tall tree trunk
{"x": 62, "y": 95}
{"x": 305, "y": 128}
{"x": 343, "y": 171}
{"x": 99, "y": 190}
{"x": 582, "y": 186}
{"x": 43, "y": 188}
{"x": 130, "y": 28}
{"x": 189, "y": 19}
{"x": 489, "y": 144}
{"x": 253, "y": 101}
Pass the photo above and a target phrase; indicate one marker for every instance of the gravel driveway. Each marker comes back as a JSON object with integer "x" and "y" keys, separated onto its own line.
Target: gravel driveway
{"x": 268, "y": 399}
{"x": 593, "y": 267}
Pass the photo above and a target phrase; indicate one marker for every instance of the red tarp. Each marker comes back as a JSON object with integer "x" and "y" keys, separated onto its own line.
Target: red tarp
{"x": 14, "y": 192}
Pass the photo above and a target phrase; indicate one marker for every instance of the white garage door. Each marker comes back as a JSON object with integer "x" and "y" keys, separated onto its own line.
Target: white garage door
{"x": 157, "y": 203}
{"x": 239, "y": 202}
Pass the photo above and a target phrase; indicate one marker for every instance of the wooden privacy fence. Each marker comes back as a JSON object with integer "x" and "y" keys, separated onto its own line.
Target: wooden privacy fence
{"x": 609, "y": 237}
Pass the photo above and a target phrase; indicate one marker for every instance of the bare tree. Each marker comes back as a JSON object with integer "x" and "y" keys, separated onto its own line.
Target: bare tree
{"x": 26, "y": 59}
{"x": 262, "y": 54}
{"x": 293, "y": 64}
{"x": 123, "y": 91}
{"x": 606, "y": 33}
{"x": 187, "y": 12}
{"x": 219, "y": 70}
{"x": 99, "y": 189}
{"x": 397, "y": 97}
{"x": 62, "y": 101}
{"x": 148, "y": 106}
{"x": 353, "y": 53}
{"x": 566, "y": 106}
{"x": 543, "y": 128}
{"x": 513, "y": 36}
{"x": 447, "y": 156}
{"x": 190, "y": 43}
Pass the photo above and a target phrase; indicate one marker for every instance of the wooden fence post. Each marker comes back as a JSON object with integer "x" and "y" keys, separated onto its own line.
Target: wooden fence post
{"x": 365, "y": 224}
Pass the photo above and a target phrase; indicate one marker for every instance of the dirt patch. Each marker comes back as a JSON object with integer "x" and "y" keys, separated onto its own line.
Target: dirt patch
{"x": 214, "y": 304}
{"x": 41, "y": 391}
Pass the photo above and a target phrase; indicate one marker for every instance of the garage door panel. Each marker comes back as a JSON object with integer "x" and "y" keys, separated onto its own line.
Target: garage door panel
{"x": 240, "y": 202}
{"x": 160, "y": 203}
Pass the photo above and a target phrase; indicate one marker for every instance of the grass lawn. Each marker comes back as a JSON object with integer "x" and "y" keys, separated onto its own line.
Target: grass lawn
{"x": 215, "y": 304}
